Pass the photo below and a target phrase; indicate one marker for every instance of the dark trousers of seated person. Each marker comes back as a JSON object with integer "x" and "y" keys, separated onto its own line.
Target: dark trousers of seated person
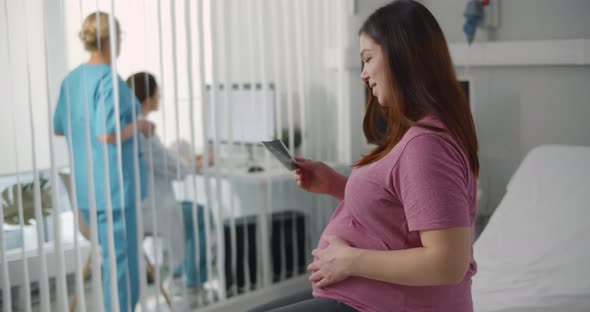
{"x": 303, "y": 301}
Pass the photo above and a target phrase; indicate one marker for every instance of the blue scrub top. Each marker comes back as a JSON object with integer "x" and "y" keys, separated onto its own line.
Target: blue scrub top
{"x": 92, "y": 85}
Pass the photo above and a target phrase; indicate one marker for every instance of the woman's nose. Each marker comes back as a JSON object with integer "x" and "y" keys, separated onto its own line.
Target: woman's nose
{"x": 364, "y": 75}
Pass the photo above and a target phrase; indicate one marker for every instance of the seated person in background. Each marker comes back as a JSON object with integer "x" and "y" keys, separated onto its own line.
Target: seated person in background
{"x": 174, "y": 222}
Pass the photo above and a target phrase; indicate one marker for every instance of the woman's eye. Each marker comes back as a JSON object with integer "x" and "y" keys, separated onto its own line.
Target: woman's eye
{"x": 367, "y": 60}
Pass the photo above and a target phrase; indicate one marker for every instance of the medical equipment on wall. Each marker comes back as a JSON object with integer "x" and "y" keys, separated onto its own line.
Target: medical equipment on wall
{"x": 479, "y": 13}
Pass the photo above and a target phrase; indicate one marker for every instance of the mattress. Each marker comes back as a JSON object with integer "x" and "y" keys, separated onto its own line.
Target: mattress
{"x": 534, "y": 255}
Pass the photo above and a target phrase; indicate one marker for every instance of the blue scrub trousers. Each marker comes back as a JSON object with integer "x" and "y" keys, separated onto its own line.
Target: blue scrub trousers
{"x": 125, "y": 235}
{"x": 194, "y": 276}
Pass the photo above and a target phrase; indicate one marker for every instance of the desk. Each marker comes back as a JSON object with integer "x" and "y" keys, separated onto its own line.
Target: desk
{"x": 249, "y": 192}
{"x": 257, "y": 194}
{"x": 274, "y": 189}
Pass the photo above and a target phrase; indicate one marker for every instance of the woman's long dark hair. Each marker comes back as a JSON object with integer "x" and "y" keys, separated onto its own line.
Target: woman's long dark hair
{"x": 423, "y": 81}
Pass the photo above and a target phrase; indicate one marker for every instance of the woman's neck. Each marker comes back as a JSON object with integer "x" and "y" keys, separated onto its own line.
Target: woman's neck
{"x": 99, "y": 58}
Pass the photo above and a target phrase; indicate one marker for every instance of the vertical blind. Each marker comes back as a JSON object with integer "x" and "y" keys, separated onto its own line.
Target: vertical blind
{"x": 251, "y": 228}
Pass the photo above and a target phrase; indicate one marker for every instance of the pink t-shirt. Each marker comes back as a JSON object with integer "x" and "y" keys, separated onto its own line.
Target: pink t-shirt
{"x": 424, "y": 183}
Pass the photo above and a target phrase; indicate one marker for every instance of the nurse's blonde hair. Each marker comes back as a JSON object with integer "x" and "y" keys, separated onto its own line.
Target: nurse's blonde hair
{"x": 89, "y": 35}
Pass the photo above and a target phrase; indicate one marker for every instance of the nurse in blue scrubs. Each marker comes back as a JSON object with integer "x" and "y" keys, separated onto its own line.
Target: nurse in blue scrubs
{"x": 90, "y": 86}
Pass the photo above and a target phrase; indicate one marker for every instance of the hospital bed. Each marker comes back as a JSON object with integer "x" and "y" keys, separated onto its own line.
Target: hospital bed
{"x": 534, "y": 255}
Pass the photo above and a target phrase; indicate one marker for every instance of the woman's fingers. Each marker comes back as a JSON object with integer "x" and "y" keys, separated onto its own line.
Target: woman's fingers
{"x": 147, "y": 127}
{"x": 300, "y": 179}
{"x": 303, "y": 163}
{"x": 316, "y": 253}
{"x": 316, "y": 276}
{"x": 314, "y": 266}
{"x": 323, "y": 282}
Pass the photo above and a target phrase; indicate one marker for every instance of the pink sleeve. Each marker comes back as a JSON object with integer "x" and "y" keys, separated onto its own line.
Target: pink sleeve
{"x": 430, "y": 179}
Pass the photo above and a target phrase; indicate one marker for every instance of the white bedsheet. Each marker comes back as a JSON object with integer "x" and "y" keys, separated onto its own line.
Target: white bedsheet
{"x": 534, "y": 254}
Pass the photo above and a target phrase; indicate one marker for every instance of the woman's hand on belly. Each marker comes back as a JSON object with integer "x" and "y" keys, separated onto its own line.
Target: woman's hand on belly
{"x": 333, "y": 263}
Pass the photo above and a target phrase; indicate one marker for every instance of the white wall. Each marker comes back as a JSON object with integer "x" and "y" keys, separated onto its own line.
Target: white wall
{"x": 518, "y": 108}
{"x": 26, "y": 26}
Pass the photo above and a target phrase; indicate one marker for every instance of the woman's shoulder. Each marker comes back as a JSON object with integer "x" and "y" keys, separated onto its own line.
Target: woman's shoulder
{"x": 88, "y": 74}
{"x": 429, "y": 129}
{"x": 91, "y": 69}
{"x": 429, "y": 135}
{"x": 103, "y": 76}
{"x": 101, "y": 72}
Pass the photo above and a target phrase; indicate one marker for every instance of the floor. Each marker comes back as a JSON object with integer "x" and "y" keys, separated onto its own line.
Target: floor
{"x": 185, "y": 301}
